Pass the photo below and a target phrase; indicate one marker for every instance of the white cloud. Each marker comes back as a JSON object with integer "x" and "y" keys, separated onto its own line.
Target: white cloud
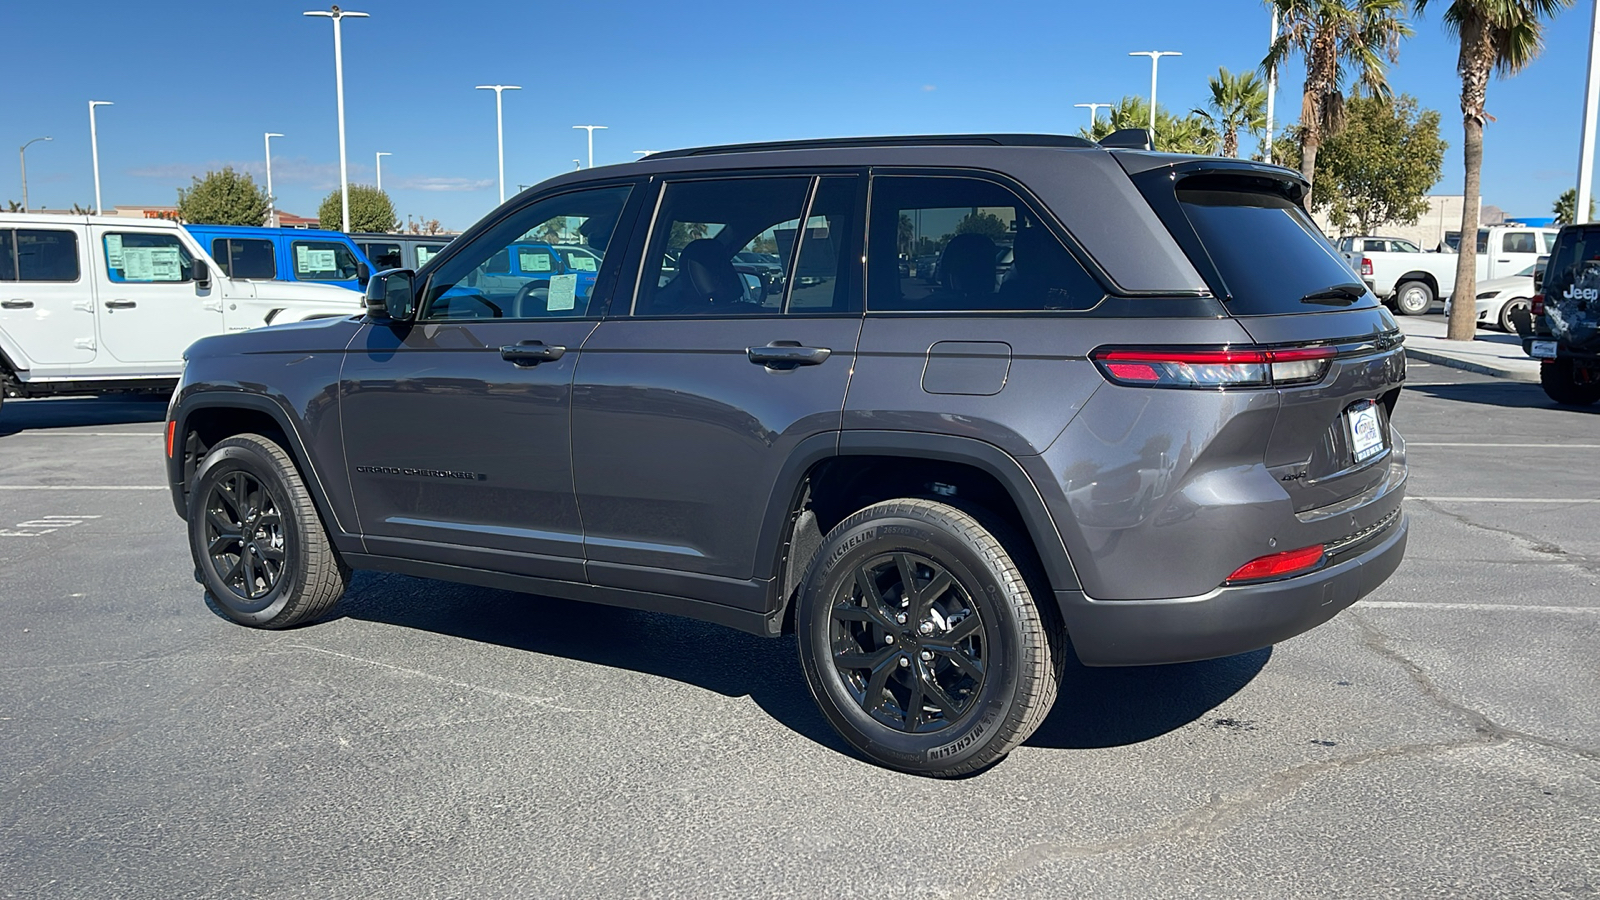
{"x": 444, "y": 184}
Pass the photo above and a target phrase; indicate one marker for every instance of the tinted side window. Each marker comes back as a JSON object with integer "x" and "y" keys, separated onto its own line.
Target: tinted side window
{"x": 46, "y": 255}
{"x": 8, "y": 256}
{"x": 245, "y": 257}
{"x": 323, "y": 261}
{"x": 689, "y": 267}
{"x": 426, "y": 252}
{"x": 383, "y": 255}
{"x": 962, "y": 244}
{"x": 1520, "y": 242}
{"x": 483, "y": 281}
{"x": 823, "y": 274}
{"x": 134, "y": 257}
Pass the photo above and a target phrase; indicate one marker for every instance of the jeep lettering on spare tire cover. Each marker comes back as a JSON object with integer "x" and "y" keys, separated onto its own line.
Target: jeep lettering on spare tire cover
{"x": 1572, "y": 296}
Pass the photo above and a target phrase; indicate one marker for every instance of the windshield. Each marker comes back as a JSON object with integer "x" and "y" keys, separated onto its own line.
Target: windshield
{"x": 1267, "y": 250}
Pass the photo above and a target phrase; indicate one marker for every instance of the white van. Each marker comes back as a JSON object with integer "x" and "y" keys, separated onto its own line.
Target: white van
{"x": 97, "y": 303}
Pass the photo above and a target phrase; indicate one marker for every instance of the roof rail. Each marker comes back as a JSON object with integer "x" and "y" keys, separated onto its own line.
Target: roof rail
{"x": 1128, "y": 139}
{"x": 923, "y": 140}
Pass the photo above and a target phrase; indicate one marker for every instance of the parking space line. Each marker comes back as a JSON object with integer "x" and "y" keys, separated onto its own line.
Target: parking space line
{"x": 83, "y": 487}
{"x": 1505, "y": 446}
{"x": 1567, "y": 500}
{"x": 1477, "y": 607}
{"x": 26, "y": 433}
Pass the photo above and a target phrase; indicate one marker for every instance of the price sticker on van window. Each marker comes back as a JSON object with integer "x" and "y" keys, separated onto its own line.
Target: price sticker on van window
{"x": 1366, "y": 438}
{"x": 309, "y": 260}
{"x": 563, "y": 293}
{"x": 113, "y": 251}
{"x": 533, "y": 260}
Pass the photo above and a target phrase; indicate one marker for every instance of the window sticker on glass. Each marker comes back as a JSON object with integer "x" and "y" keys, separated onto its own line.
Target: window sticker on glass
{"x": 151, "y": 264}
{"x": 580, "y": 263}
{"x": 425, "y": 253}
{"x": 113, "y": 251}
{"x": 563, "y": 292}
{"x": 309, "y": 260}
{"x": 533, "y": 260}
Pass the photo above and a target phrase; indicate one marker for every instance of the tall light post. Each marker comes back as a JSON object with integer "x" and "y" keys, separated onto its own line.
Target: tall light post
{"x": 499, "y": 128}
{"x": 94, "y": 152}
{"x": 272, "y": 201}
{"x": 591, "y": 130}
{"x": 22, "y": 153}
{"x": 1272, "y": 82}
{"x": 1155, "y": 60}
{"x": 1094, "y": 111}
{"x": 338, "y": 15}
{"x": 379, "y": 158}
{"x": 1591, "y": 100}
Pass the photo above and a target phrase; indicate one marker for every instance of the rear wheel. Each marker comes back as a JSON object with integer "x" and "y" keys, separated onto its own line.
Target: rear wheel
{"x": 1560, "y": 382}
{"x": 1513, "y": 305}
{"x": 259, "y": 546}
{"x": 921, "y": 641}
{"x": 1413, "y": 298}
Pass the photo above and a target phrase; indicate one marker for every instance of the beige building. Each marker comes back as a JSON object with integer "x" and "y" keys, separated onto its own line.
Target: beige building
{"x": 1428, "y": 232}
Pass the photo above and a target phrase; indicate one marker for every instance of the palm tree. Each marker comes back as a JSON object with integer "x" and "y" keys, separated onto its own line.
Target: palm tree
{"x": 1496, "y": 36}
{"x": 1331, "y": 34}
{"x": 1238, "y": 102}
{"x": 1190, "y": 134}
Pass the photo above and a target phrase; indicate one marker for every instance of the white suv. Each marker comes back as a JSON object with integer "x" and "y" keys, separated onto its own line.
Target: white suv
{"x": 93, "y": 303}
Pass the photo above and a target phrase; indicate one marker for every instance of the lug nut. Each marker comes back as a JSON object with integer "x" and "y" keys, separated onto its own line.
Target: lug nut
{"x": 904, "y": 662}
{"x": 888, "y": 639}
{"x": 901, "y": 618}
{"x": 927, "y": 656}
{"x": 926, "y": 628}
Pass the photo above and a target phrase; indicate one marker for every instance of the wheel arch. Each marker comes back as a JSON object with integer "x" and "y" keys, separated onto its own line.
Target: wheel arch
{"x": 806, "y": 500}
{"x": 1421, "y": 275}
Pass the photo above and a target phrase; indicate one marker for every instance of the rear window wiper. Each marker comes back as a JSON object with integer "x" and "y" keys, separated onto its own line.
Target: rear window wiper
{"x": 1337, "y": 295}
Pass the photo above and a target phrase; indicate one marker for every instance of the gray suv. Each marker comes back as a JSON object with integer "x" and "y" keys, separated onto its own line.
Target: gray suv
{"x": 1142, "y": 411}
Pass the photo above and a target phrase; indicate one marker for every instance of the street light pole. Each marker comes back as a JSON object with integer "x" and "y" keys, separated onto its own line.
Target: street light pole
{"x": 379, "y": 157}
{"x": 94, "y": 152}
{"x": 1591, "y": 100}
{"x": 1155, "y": 59}
{"x": 337, "y": 15}
{"x": 272, "y": 202}
{"x": 22, "y": 153}
{"x": 1272, "y": 83}
{"x": 1094, "y": 111}
{"x": 591, "y": 130}
{"x": 499, "y": 128}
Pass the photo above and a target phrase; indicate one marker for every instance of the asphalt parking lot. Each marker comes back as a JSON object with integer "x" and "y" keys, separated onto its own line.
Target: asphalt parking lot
{"x": 1441, "y": 738}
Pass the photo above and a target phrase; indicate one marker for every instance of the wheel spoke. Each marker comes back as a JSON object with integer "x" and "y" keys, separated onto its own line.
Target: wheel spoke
{"x": 913, "y": 713}
{"x": 247, "y": 559}
{"x": 235, "y": 571}
{"x": 221, "y": 525}
{"x": 907, "y": 570}
{"x": 229, "y": 501}
{"x": 222, "y": 542}
{"x": 937, "y": 695}
{"x": 871, "y": 597}
{"x": 972, "y": 668}
{"x": 941, "y": 584}
{"x": 275, "y": 554}
{"x": 874, "y": 698}
{"x": 967, "y": 627}
{"x": 856, "y": 659}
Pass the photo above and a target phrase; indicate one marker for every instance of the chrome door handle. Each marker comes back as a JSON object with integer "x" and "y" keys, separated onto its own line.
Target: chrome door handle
{"x": 16, "y": 304}
{"x": 120, "y": 304}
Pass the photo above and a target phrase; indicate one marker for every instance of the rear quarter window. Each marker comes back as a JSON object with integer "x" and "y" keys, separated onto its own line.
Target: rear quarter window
{"x": 1267, "y": 251}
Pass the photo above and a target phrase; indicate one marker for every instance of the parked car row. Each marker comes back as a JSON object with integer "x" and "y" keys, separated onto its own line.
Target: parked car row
{"x": 1410, "y": 280}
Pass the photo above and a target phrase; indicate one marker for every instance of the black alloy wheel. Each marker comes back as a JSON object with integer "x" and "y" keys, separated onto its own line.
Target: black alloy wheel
{"x": 245, "y": 536}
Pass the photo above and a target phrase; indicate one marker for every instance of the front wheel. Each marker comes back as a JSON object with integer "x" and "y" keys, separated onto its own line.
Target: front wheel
{"x": 1513, "y": 305}
{"x": 1560, "y": 382}
{"x": 922, "y": 642}
{"x": 259, "y": 546}
{"x": 1413, "y": 298}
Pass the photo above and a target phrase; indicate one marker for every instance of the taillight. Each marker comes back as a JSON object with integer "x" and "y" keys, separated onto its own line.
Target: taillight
{"x": 1537, "y": 304}
{"x": 1366, "y": 266}
{"x": 1191, "y": 368}
{"x": 172, "y": 430}
{"x": 1278, "y": 565}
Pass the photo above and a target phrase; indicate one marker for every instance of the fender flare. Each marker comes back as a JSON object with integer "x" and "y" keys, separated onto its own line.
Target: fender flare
{"x": 1041, "y": 527}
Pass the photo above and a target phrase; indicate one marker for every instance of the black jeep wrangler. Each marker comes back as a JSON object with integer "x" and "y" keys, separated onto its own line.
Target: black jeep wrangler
{"x": 1566, "y": 318}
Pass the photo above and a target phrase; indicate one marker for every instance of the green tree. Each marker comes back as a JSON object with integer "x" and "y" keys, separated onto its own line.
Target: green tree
{"x": 989, "y": 225}
{"x": 1566, "y": 203}
{"x": 370, "y": 210}
{"x": 1331, "y": 35}
{"x": 1381, "y": 166}
{"x": 1238, "y": 103}
{"x": 1189, "y": 134}
{"x": 223, "y": 198}
{"x": 1496, "y": 36}
{"x": 906, "y": 231}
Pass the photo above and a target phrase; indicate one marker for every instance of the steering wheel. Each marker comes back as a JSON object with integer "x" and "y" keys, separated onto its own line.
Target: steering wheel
{"x": 524, "y": 292}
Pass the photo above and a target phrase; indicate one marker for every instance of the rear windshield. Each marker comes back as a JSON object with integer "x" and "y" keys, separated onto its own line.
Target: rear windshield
{"x": 1574, "y": 246}
{"x": 1267, "y": 250}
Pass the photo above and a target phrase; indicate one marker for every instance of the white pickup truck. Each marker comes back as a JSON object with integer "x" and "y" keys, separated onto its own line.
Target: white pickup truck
{"x": 1410, "y": 279}
{"x": 98, "y": 303}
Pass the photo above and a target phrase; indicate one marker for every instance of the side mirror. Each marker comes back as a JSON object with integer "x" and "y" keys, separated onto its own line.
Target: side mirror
{"x": 392, "y": 295}
{"x": 363, "y": 274}
{"x": 202, "y": 274}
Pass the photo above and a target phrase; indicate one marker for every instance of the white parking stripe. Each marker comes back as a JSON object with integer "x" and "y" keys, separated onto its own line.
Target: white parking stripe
{"x": 1568, "y": 500}
{"x": 83, "y": 487}
{"x": 1505, "y": 446}
{"x": 87, "y": 434}
{"x": 1479, "y": 607}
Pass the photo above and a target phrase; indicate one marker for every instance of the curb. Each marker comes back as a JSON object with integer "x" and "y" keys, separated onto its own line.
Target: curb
{"x": 1453, "y": 362}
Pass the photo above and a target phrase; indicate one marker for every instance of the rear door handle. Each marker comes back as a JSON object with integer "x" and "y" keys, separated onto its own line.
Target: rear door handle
{"x": 16, "y": 304}
{"x": 120, "y": 304}
{"x": 531, "y": 353}
{"x": 784, "y": 355}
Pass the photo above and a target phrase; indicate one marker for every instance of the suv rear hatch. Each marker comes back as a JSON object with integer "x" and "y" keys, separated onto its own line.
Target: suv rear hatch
{"x": 1243, "y": 227}
{"x": 1572, "y": 289}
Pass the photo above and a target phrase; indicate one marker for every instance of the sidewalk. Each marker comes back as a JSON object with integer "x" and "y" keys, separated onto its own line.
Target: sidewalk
{"x": 1493, "y": 353}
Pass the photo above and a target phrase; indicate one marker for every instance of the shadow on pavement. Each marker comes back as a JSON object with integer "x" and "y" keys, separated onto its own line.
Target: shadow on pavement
{"x": 76, "y": 412}
{"x": 1113, "y": 707}
{"x": 1096, "y": 707}
{"x": 1498, "y": 392}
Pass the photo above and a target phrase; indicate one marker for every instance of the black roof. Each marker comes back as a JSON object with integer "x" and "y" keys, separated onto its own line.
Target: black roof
{"x": 922, "y": 140}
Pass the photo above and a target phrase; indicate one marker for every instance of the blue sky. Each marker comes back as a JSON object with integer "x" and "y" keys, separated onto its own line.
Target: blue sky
{"x": 197, "y": 83}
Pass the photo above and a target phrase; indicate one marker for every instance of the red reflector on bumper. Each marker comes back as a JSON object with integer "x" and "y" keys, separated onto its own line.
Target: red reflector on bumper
{"x": 172, "y": 428}
{"x": 1278, "y": 565}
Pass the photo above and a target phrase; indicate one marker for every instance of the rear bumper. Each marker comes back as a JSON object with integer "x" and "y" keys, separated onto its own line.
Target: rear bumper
{"x": 1228, "y": 620}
